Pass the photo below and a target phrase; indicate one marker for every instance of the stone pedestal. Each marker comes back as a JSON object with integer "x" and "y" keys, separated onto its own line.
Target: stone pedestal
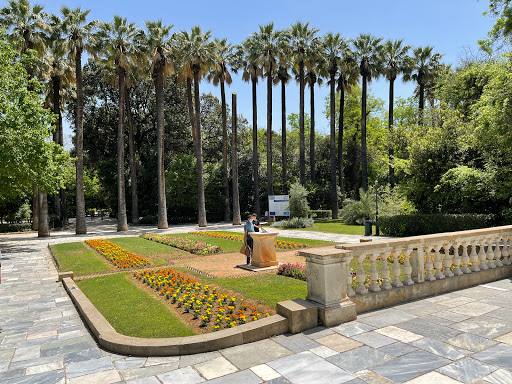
{"x": 327, "y": 285}
{"x": 264, "y": 252}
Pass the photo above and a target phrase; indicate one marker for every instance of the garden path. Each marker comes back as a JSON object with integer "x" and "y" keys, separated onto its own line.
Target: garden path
{"x": 440, "y": 339}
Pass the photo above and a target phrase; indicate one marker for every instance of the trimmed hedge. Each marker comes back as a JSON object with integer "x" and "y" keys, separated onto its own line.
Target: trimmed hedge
{"x": 147, "y": 220}
{"x": 15, "y": 227}
{"x": 424, "y": 224}
{"x": 320, "y": 213}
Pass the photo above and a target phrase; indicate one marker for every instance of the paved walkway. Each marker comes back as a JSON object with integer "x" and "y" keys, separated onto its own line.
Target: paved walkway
{"x": 464, "y": 336}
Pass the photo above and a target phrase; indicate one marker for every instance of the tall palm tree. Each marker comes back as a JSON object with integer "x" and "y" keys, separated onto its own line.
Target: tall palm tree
{"x": 158, "y": 46}
{"x": 60, "y": 74}
{"x": 116, "y": 43}
{"x": 315, "y": 71}
{"x": 197, "y": 55}
{"x": 334, "y": 47}
{"x": 301, "y": 38}
{"x": 26, "y": 29}
{"x": 268, "y": 41}
{"x": 368, "y": 52}
{"x": 219, "y": 74}
{"x": 283, "y": 77}
{"x": 425, "y": 64}
{"x": 78, "y": 32}
{"x": 396, "y": 62}
{"x": 248, "y": 60}
{"x": 237, "y": 220}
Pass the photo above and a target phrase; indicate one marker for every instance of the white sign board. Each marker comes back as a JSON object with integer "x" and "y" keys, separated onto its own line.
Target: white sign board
{"x": 279, "y": 205}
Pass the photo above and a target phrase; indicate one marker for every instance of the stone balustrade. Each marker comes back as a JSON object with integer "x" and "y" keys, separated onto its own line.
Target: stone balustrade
{"x": 404, "y": 269}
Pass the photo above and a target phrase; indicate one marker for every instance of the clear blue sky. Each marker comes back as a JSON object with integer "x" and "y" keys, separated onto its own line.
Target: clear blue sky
{"x": 449, "y": 25}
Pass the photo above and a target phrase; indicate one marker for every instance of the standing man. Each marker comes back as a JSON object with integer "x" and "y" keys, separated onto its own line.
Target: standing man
{"x": 248, "y": 229}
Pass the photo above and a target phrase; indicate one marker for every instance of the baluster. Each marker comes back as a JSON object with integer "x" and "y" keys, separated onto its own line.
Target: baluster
{"x": 473, "y": 258}
{"x": 361, "y": 276}
{"x": 350, "y": 279}
{"x": 505, "y": 251}
{"x": 385, "y": 285}
{"x": 374, "y": 274}
{"x": 429, "y": 266}
{"x": 396, "y": 270}
{"x": 481, "y": 256}
{"x": 418, "y": 264}
{"x": 497, "y": 253}
{"x": 447, "y": 261}
{"x": 456, "y": 260}
{"x": 438, "y": 264}
{"x": 465, "y": 258}
{"x": 490, "y": 255}
{"x": 408, "y": 268}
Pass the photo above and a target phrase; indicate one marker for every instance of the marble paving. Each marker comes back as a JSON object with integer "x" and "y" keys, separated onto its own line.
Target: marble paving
{"x": 459, "y": 337}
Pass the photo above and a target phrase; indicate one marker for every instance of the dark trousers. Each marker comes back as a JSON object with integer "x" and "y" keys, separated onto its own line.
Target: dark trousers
{"x": 250, "y": 243}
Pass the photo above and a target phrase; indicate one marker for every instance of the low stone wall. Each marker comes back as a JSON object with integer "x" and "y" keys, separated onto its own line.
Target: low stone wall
{"x": 108, "y": 337}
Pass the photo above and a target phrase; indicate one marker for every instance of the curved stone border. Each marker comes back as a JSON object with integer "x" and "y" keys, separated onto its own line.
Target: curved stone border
{"x": 108, "y": 337}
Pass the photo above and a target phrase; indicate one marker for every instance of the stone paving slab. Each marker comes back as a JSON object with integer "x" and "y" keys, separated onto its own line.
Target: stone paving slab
{"x": 454, "y": 337}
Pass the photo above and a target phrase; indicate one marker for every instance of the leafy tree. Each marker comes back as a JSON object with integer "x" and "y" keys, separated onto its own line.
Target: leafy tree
{"x": 28, "y": 158}
{"x": 299, "y": 206}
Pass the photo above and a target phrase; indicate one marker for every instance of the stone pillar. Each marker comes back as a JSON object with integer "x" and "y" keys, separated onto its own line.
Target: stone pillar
{"x": 327, "y": 285}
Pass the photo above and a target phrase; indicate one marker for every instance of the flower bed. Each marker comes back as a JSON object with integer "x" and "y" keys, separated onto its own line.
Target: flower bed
{"x": 278, "y": 243}
{"x": 118, "y": 256}
{"x": 194, "y": 247}
{"x": 295, "y": 270}
{"x": 205, "y": 304}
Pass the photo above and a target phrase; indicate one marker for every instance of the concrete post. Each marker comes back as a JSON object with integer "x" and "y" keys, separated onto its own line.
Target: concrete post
{"x": 327, "y": 285}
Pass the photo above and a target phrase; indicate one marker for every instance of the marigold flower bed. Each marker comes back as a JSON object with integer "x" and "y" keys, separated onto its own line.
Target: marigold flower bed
{"x": 278, "y": 243}
{"x": 208, "y": 306}
{"x": 118, "y": 256}
{"x": 194, "y": 247}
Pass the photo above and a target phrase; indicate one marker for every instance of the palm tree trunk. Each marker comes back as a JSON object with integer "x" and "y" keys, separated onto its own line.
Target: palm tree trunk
{"x": 255, "y": 165}
{"x": 63, "y": 206}
{"x": 122, "y": 223}
{"x": 270, "y": 187}
{"x": 81, "y": 227}
{"x": 191, "y": 114}
{"x": 390, "y": 129}
{"x": 162, "y": 203}
{"x": 341, "y": 130}
{"x": 364, "y": 164}
{"x": 133, "y": 164}
{"x": 422, "y": 102}
{"x": 334, "y": 189}
{"x": 35, "y": 210}
{"x": 237, "y": 220}
{"x": 312, "y": 133}
{"x": 44, "y": 227}
{"x": 283, "y": 135}
{"x": 225, "y": 177}
{"x": 201, "y": 211}
{"x": 302, "y": 156}
{"x": 56, "y": 139}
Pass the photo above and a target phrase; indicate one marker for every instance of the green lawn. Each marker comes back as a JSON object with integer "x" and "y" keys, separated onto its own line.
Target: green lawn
{"x": 232, "y": 246}
{"x": 267, "y": 288}
{"x": 130, "y": 310}
{"x": 80, "y": 259}
{"x": 156, "y": 253}
{"x": 335, "y": 226}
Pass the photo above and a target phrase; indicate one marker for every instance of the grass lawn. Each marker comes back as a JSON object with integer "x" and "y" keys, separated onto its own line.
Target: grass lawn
{"x": 335, "y": 226}
{"x": 156, "y": 253}
{"x": 267, "y": 288}
{"x": 80, "y": 259}
{"x": 130, "y": 310}
{"x": 232, "y": 246}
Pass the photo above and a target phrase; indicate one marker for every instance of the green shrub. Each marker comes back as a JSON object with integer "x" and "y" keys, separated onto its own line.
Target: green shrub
{"x": 147, "y": 220}
{"x": 296, "y": 222}
{"x": 15, "y": 227}
{"x": 298, "y": 201}
{"x": 320, "y": 213}
{"x": 357, "y": 211}
{"x": 424, "y": 224}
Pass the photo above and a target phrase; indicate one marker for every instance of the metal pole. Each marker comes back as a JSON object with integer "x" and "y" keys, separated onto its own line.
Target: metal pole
{"x": 377, "y": 233}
